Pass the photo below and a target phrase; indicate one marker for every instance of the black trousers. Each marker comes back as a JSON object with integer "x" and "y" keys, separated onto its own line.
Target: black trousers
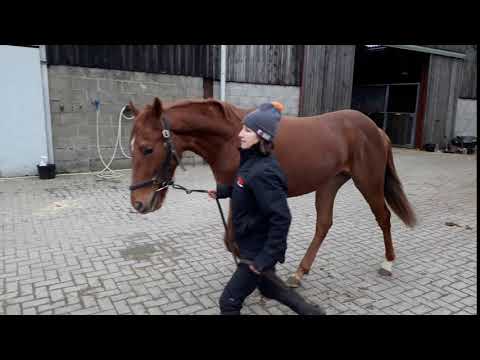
{"x": 244, "y": 282}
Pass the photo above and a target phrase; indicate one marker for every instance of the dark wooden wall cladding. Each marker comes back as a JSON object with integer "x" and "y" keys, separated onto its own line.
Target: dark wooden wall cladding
{"x": 256, "y": 64}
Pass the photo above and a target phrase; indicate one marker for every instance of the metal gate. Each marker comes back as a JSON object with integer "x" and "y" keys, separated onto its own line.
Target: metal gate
{"x": 393, "y": 107}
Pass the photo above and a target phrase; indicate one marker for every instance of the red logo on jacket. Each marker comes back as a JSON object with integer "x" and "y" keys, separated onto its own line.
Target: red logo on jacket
{"x": 240, "y": 181}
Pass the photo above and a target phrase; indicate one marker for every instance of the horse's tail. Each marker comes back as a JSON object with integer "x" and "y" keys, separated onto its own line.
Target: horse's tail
{"x": 394, "y": 194}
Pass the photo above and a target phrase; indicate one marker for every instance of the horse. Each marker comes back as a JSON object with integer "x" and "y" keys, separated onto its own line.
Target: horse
{"x": 317, "y": 154}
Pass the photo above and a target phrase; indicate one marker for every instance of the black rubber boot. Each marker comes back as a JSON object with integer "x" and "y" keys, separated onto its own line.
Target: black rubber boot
{"x": 297, "y": 303}
{"x": 229, "y": 312}
{"x": 274, "y": 288}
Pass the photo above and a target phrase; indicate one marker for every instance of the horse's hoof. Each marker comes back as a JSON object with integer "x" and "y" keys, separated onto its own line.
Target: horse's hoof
{"x": 386, "y": 268}
{"x": 384, "y": 272}
{"x": 293, "y": 282}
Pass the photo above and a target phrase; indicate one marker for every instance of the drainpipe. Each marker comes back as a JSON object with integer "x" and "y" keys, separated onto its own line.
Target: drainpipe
{"x": 46, "y": 102}
{"x": 223, "y": 66}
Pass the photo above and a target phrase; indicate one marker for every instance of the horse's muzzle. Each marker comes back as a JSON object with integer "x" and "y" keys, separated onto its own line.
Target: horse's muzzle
{"x": 139, "y": 207}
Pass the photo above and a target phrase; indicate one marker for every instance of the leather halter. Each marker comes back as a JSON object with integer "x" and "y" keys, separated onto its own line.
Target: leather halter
{"x": 163, "y": 177}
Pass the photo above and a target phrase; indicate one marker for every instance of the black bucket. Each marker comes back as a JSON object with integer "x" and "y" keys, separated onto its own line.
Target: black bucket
{"x": 467, "y": 142}
{"x": 429, "y": 147}
{"x": 46, "y": 171}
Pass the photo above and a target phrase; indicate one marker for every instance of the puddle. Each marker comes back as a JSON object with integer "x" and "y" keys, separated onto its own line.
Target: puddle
{"x": 138, "y": 252}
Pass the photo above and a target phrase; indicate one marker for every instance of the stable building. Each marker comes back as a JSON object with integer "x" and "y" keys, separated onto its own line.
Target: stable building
{"x": 417, "y": 93}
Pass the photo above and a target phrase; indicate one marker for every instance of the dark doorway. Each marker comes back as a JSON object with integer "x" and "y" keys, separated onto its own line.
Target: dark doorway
{"x": 388, "y": 85}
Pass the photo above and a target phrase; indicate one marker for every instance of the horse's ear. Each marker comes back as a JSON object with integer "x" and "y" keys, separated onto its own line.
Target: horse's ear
{"x": 157, "y": 107}
{"x": 132, "y": 108}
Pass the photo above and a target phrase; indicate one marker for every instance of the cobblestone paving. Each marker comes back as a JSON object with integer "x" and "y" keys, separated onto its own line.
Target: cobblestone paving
{"x": 73, "y": 245}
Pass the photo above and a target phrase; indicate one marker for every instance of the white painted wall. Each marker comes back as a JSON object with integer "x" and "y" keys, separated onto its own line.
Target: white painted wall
{"x": 22, "y": 118}
{"x": 466, "y": 118}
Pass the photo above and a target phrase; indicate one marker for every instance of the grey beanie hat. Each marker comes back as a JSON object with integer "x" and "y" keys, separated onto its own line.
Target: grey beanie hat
{"x": 264, "y": 120}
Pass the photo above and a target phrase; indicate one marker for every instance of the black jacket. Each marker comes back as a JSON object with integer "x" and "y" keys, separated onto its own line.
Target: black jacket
{"x": 260, "y": 213}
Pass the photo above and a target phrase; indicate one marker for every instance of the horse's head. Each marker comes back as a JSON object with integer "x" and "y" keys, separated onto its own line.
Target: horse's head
{"x": 153, "y": 157}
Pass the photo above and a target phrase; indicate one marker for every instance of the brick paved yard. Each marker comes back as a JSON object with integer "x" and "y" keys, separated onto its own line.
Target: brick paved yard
{"x": 73, "y": 245}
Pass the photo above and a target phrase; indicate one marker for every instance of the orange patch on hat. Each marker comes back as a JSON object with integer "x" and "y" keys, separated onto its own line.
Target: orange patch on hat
{"x": 278, "y": 106}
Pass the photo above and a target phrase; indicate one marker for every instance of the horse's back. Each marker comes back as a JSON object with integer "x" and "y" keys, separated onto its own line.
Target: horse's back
{"x": 337, "y": 118}
{"x": 314, "y": 149}
{"x": 334, "y": 127}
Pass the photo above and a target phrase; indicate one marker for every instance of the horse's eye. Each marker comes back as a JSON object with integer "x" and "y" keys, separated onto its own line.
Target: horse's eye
{"x": 147, "y": 151}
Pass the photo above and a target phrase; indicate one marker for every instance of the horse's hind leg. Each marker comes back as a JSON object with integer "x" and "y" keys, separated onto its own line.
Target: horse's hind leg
{"x": 373, "y": 192}
{"x": 324, "y": 198}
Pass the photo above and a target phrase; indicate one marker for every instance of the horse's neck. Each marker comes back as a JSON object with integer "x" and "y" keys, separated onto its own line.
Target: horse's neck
{"x": 210, "y": 133}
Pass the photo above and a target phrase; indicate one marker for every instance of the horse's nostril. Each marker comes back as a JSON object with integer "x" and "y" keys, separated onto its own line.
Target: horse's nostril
{"x": 138, "y": 206}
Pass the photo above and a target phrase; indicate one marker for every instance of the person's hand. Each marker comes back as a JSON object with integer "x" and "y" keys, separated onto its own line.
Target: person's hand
{"x": 212, "y": 194}
{"x": 254, "y": 270}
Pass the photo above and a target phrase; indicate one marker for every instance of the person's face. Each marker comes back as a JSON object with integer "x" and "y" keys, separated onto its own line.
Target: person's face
{"x": 248, "y": 138}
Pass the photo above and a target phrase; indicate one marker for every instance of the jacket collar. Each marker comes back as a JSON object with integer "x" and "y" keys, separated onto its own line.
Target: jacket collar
{"x": 247, "y": 154}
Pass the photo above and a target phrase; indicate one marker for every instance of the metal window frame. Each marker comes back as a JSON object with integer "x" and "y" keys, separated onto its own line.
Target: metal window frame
{"x": 428, "y": 50}
{"x": 385, "y": 107}
{"x": 414, "y": 114}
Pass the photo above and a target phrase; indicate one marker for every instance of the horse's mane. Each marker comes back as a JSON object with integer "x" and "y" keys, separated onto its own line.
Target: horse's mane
{"x": 227, "y": 109}
{"x": 228, "y": 112}
{"x": 231, "y": 114}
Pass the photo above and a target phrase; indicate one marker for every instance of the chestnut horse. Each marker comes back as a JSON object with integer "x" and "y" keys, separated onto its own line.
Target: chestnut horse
{"x": 317, "y": 153}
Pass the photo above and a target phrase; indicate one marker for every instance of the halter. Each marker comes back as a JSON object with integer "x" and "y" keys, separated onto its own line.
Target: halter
{"x": 163, "y": 177}
{"x": 166, "y": 170}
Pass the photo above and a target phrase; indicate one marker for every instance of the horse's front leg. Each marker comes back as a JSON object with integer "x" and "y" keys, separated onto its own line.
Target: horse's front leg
{"x": 323, "y": 225}
{"x": 324, "y": 198}
{"x": 229, "y": 238}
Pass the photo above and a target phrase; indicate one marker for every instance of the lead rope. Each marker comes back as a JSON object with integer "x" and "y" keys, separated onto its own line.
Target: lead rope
{"x": 189, "y": 191}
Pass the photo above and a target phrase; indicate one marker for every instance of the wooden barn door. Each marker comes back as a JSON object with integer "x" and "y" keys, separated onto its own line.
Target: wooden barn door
{"x": 444, "y": 81}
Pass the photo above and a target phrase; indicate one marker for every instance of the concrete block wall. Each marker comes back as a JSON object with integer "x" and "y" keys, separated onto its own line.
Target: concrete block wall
{"x": 251, "y": 95}
{"x": 74, "y": 131}
{"x": 74, "y": 123}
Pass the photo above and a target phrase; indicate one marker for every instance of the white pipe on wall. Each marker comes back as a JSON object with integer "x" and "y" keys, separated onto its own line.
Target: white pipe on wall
{"x": 223, "y": 66}
{"x": 46, "y": 102}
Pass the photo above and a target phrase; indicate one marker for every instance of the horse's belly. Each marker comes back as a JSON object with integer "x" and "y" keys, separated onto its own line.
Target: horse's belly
{"x": 306, "y": 180}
